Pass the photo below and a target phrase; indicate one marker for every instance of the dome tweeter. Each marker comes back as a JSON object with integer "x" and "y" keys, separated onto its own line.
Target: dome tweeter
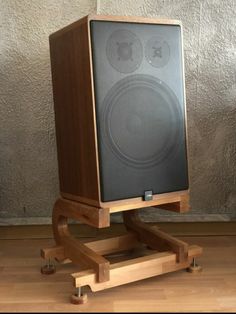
{"x": 124, "y": 51}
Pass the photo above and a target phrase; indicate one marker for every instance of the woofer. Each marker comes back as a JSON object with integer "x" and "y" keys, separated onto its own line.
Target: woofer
{"x": 141, "y": 118}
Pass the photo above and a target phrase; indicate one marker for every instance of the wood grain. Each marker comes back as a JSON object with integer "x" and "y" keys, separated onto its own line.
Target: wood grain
{"x": 180, "y": 207}
{"x": 79, "y": 254}
{"x": 24, "y": 289}
{"x": 158, "y": 199}
{"x": 74, "y": 113}
{"x": 115, "y": 244}
{"x": 179, "y": 198}
{"x": 102, "y": 247}
{"x": 74, "y": 249}
{"x": 155, "y": 238}
{"x": 135, "y": 269}
{"x": 92, "y": 216}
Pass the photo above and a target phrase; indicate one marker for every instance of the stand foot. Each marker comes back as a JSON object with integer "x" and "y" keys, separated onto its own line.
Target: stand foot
{"x": 79, "y": 297}
{"x": 194, "y": 267}
{"x": 48, "y": 268}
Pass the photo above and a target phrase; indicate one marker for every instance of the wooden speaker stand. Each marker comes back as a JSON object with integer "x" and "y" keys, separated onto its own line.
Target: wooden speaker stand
{"x": 165, "y": 254}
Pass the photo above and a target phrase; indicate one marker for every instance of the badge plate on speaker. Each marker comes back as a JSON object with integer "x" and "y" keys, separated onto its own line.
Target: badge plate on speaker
{"x": 148, "y": 196}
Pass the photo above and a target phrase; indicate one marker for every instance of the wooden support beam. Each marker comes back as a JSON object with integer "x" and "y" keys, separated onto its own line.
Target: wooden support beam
{"x": 158, "y": 200}
{"x": 181, "y": 206}
{"x": 115, "y": 244}
{"x": 102, "y": 247}
{"x": 79, "y": 253}
{"x": 57, "y": 252}
{"x": 135, "y": 269}
{"x": 155, "y": 238}
{"x": 90, "y": 215}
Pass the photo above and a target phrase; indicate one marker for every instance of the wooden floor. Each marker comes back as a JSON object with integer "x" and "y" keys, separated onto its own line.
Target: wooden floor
{"x": 23, "y": 288}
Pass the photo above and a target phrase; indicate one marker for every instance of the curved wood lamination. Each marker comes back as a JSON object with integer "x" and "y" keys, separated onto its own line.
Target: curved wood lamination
{"x": 74, "y": 249}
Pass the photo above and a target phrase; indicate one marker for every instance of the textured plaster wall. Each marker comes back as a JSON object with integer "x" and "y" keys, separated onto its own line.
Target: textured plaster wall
{"x": 28, "y": 164}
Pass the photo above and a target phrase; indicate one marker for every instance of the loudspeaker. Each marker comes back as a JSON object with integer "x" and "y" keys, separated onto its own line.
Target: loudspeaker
{"x": 119, "y": 99}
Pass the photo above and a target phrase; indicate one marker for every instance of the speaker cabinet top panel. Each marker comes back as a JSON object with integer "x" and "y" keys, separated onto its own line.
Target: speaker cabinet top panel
{"x": 120, "y": 111}
{"x": 114, "y": 18}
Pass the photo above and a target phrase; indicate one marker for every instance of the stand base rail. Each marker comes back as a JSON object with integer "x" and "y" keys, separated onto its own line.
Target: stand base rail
{"x": 135, "y": 269}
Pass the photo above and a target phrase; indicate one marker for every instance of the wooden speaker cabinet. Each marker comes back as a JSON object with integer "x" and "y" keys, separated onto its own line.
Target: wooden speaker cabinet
{"x": 118, "y": 86}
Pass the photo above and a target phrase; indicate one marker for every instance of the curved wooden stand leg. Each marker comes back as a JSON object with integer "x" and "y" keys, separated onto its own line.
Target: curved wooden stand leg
{"x": 154, "y": 238}
{"x": 72, "y": 248}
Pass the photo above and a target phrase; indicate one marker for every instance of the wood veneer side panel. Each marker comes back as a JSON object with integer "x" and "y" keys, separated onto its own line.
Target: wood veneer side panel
{"x": 74, "y": 112}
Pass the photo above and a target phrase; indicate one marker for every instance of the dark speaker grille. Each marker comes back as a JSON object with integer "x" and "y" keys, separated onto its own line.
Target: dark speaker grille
{"x": 141, "y": 121}
{"x": 140, "y": 111}
{"x": 124, "y": 51}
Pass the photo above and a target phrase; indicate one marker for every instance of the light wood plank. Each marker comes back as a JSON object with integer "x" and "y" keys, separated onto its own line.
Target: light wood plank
{"x": 138, "y": 202}
{"x": 79, "y": 253}
{"x": 112, "y": 245}
{"x": 154, "y": 237}
{"x": 135, "y": 269}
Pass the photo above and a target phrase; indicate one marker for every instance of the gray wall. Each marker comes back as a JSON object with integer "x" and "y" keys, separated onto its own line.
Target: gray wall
{"x": 28, "y": 164}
